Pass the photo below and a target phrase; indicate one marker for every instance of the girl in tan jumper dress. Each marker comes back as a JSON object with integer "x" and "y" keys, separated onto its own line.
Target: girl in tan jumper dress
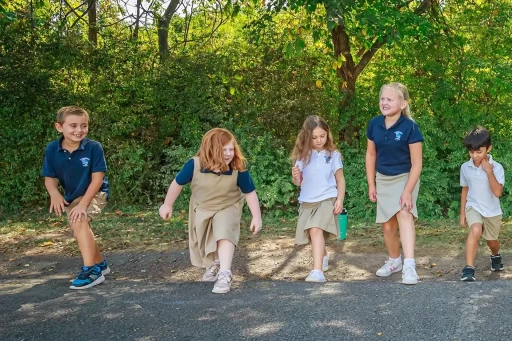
{"x": 219, "y": 181}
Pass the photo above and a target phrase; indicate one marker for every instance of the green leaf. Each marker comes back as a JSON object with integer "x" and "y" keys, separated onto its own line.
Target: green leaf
{"x": 300, "y": 44}
{"x": 232, "y": 90}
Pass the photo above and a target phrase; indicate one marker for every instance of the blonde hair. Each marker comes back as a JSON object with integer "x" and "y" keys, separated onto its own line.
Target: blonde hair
{"x": 403, "y": 93}
{"x": 302, "y": 149}
{"x": 211, "y": 152}
{"x": 70, "y": 110}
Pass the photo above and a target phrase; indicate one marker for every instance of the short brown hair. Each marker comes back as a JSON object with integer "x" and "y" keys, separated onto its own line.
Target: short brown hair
{"x": 211, "y": 153}
{"x": 70, "y": 110}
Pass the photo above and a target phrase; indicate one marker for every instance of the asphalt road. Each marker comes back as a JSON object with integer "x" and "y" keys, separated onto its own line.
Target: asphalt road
{"x": 44, "y": 309}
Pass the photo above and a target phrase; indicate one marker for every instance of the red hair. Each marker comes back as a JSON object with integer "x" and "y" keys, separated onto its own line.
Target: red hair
{"x": 211, "y": 152}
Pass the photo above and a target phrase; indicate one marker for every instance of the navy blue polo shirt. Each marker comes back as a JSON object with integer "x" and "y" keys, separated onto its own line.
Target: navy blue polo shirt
{"x": 74, "y": 170}
{"x": 392, "y": 145}
{"x": 244, "y": 180}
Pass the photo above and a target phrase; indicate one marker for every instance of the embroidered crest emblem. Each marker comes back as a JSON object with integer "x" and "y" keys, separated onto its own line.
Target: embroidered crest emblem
{"x": 85, "y": 161}
{"x": 398, "y": 135}
{"x": 328, "y": 159}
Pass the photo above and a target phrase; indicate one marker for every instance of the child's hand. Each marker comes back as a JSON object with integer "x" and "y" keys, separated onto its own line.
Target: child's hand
{"x": 165, "y": 212}
{"x": 256, "y": 225}
{"x": 486, "y": 166}
{"x": 77, "y": 212}
{"x": 463, "y": 220}
{"x": 57, "y": 204}
{"x": 338, "y": 206}
{"x": 296, "y": 173}
{"x": 406, "y": 201}
{"x": 372, "y": 193}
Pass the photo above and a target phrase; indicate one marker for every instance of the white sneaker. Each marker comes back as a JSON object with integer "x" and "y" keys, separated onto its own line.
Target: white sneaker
{"x": 316, "y": 276}
{"x": 223, "y": 284}
{"x": 409, "y": 275}
{"x": 325, "y": 263}
{"x": 211, "y": 273}
{"x": 391, "y": 266}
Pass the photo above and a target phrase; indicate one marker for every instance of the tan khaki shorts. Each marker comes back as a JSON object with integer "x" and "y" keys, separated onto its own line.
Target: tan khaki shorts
{"x": 491, "y": 225}
{"x": 97, "y": 204}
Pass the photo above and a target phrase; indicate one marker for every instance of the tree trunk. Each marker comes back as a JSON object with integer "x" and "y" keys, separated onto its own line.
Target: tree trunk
{"x": 93, "y": 28}
{"x": 137, "y": 21}
{"x": 163, "y": 29}
{"x": 348, "y": 71}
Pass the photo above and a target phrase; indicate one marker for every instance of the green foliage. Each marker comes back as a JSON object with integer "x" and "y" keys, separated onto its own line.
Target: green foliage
{"x": 150, "y": 116}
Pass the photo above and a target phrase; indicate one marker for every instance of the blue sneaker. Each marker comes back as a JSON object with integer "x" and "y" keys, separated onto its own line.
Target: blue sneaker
{"x": 87, "y": 278}
{"x": 103, "y": 267}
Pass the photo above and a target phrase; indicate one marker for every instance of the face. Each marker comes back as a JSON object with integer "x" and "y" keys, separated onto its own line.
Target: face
{"x": 74, "y": 129}
{"x": 479, "y": 155}
{"x": 390, "y": 102}
{"x": 319, "y": 138}
{"x": 229, "y": 152}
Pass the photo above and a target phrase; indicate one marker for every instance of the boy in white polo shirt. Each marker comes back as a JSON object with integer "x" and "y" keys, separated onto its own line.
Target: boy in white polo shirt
{"x": 482, "y": 180}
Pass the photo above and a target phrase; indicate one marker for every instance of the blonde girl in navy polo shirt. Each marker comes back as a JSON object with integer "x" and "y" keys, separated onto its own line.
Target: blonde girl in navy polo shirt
{"x": 393, "y": 168}
{"x": 219, "y": 181}
{"x": 318, "y": 170}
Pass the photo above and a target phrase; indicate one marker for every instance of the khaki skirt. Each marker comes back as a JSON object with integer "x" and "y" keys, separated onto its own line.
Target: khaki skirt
{"x": 207, "y": 227}
{"x": 317, "y": 214}
{"x": 389, "y": 190}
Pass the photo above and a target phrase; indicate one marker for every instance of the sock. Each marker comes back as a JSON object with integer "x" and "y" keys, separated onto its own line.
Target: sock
{"x": 217, "y": 262}
{"x": 227, "y": 272}
{"x": 399, "y": 259}
{"x": 410, "y": 262}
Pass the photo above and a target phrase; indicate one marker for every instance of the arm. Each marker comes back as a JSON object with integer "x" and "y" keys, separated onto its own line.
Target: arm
{"x": 296, "y": 176}
{"x": 254, "y": 207}
{"x": 340, "y": 185}
{"x": 463, "y": 200}
{"x": 414, "y": 175}
{"x": 371, "y": 160}
{"x": 57, "y": 202}
{"x": 174, "y": 190}
{"x": 496, "y": 187}
{"x": 81, "y": 209}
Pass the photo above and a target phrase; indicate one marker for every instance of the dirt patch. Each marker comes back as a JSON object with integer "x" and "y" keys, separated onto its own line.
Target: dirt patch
{"x": 257, "y": 258}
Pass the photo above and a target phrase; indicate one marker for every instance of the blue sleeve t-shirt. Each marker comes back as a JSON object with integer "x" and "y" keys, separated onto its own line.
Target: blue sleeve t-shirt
{"x": 392, "y": 145}
{"x": 74, "y": 170}
{"x": 244, "y": 180}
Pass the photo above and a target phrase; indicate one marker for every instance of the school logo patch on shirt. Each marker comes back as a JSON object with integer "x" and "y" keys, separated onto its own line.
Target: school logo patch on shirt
{"x": 328, "y": 159}
{"x": 85, "y": 161}
{"x": 398, "y": 135}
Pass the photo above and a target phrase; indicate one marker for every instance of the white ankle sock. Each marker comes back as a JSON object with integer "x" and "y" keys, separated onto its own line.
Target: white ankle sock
{"x": 410, "y": 262}
{"x": 399, "y": 259}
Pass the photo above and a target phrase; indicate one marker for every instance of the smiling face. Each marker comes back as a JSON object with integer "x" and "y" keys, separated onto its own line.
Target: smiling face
{"x": 390, "y": 102}
{"x": 229, "y": 152}
{"x": 318, "y": 139}
{"x": 74, "y": 128}
{"x": 478, "y": 155}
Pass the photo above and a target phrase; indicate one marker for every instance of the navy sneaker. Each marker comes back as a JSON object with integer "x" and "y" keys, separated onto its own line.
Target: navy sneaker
{"x": 87, "y": 278}
{"x": 103, "y": 267}
{"x": 468, "y": 274}
{"x": 496, "y": 263}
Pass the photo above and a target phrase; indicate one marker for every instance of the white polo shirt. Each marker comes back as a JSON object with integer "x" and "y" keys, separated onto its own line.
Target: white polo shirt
{"x": 480, "y": 196}
{"x": 318, "y": 181}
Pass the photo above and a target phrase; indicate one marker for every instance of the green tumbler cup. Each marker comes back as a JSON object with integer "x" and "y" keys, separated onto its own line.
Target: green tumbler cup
{"x": 343, "y": 222}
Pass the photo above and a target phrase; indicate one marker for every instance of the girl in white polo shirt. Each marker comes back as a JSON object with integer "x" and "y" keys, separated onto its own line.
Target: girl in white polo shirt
{"x": 318, "y": 170}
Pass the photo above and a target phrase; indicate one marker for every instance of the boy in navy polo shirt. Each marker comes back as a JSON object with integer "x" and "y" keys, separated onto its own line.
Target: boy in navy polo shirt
{"x": 78, "y": 164}
{"x": 482, "y": 180}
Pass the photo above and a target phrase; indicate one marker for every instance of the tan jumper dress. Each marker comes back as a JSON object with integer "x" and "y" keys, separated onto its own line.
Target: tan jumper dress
{"x": 215, "y": 211}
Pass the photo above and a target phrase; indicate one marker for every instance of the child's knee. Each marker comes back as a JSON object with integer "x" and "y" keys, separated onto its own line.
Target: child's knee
{"x": 80, "y": 225}
{"x": 315, "y": 232}
{"x": 476, "y": 230}
{"x": 404, "y": 216}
